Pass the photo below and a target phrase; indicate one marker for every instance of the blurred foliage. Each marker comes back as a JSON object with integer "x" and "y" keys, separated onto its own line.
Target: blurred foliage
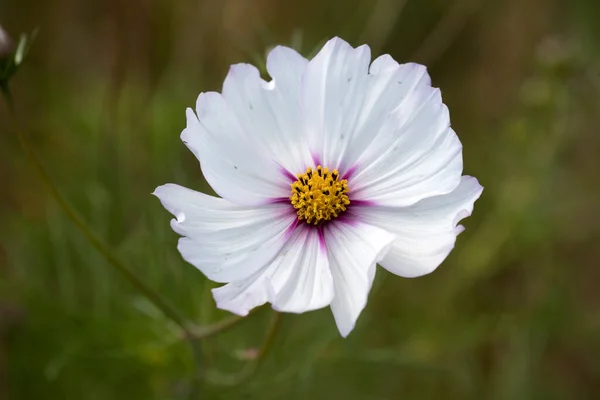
{"x": 513, "y": 313}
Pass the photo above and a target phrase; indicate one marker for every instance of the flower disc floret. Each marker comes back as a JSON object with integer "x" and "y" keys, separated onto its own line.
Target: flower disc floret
{"x": 319, "y": 195}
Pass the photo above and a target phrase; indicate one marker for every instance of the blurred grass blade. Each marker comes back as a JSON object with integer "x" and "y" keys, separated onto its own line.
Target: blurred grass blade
{"x": 446, "y": 30}
{"x": 381, "y": 23}
{"x": 25, "y": 43}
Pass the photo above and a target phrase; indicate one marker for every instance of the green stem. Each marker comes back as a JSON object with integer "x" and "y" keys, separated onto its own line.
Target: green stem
{"x": 203, "y": 332}
{"x": 112, "y": 259}
{"x": 269, "y": 339}
{"x": 217, "y": 378}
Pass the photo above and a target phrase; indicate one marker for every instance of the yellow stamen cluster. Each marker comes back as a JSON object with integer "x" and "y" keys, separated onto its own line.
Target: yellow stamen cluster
{"x": 319, "y": 196}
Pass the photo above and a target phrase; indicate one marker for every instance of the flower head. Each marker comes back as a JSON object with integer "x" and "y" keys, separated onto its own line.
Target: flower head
{"x": 333, "y": 166}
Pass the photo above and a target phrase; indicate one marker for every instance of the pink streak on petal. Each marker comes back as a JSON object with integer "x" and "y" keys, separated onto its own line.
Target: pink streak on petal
{"x": 346, "y": 218}
{"x": 322, "y": 243}
{"x": 287, "y": 174}
{"x": 362, "y": 203}
{"x": 279, "y": 200}
{"x": 316, "y": 160}
{"x": 348, "y": 174}
{"x": 290, "y": 230}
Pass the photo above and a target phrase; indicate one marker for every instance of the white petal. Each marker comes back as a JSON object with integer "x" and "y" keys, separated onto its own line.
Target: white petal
{"x": 269, "y": 112}
{"x": 232, "y": 163}
{"x": 241, "y": 297}
{"x": 249, "y": 140}
{"x": 332, "y": 93}
{"x": 390, "y": 87}
{"x": 286, "y": 67}
{"x": 414, "y": 154}
{"x": 354, "y": 249}
{"x": 386, "y": 127}
{"x": 383, "y": 63}
{"x": 298, "y": 280}
{"x": 426, "y": 231}
{"x": 302, "y": 279}
{"x": 225, "y": 241}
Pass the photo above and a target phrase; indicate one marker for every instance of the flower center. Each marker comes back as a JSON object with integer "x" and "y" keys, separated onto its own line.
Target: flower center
{"x": 319, "y": 196}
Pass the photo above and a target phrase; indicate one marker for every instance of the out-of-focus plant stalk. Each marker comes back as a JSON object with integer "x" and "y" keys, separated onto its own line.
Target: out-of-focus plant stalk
{"x": 190, "y": 330}
{"x": 269, "y": 338}
{"x": 443, "y": 34}
{"x": 192, "y": 333}
{"x": 112, "y": 259}
{"x": 252, "y": 366}
{"x": 204, "y": 331}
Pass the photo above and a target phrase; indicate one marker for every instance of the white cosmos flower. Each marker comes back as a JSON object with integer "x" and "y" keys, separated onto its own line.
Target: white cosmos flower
{"x": 333, "y": 166}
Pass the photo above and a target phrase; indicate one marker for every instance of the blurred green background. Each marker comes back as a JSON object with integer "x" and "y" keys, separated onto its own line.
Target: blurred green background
{"x": 513, "y": 313}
